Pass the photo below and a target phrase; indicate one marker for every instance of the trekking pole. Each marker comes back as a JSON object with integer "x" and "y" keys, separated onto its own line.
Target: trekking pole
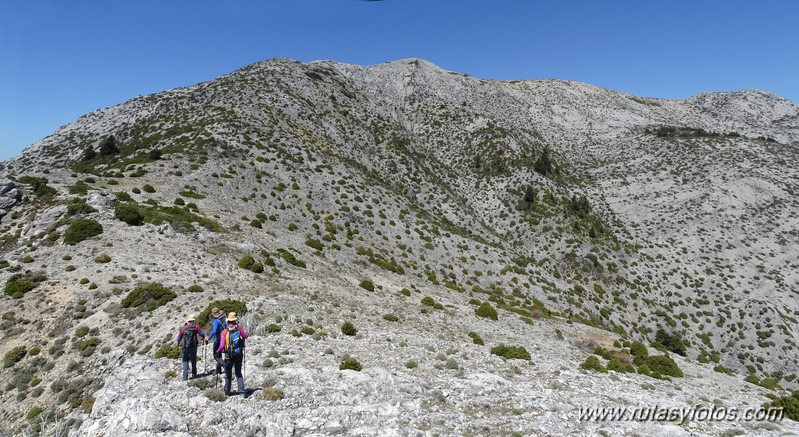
{"x": 205, "y": 357}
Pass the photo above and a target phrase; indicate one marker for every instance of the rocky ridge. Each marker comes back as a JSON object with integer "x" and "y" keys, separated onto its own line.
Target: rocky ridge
{"x": 656, "y": 215}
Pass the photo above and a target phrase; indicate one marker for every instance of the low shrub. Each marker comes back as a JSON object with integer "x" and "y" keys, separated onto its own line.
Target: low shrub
{"x": 486, "y": 310}
{"x": 367, "y": 285}
{"x": 789, "y": 405}
{"x": 82, "y": 229}
{"x": 147, "y": 188}
{"x": 316, "y": 244}
{"x": 150, "y": 296}
{"x": 168, "y": 351}
{"x": 664, "y": 365}
{"x": 350, "y": 364}
{"x": 273, "y": 394}
{"x": 347, "y": 328}
{"x": 102, "y": 258}
{"x": 476, "y": 339}
{"x": 14, "y": 356}
{"x": 195, "y": 289}
{"x": 592, "y": 363}
{"x": 18, "y": 284}
{"x": 247, "y": 262}
{"x": 81, "y": 331}
{"x": 390, "y": 317}
{"x": 215, "y": 394}
{"x": 511, "y": 352}
{"x": 129, "y": 214}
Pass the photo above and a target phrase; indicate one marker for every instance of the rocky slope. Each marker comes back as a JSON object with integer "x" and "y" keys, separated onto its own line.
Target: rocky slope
{"x": 653, "y": 220}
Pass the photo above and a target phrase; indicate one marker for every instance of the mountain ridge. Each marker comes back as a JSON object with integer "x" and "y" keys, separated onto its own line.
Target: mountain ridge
{"x": 648, "y": 215}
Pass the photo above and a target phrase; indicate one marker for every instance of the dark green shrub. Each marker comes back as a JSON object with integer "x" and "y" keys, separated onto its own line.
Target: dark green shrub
{"x": 129, "y": 214}
{"x": 663, "y": 365}
{"x": 123, "y": 196}
{"x": 102, "y": 258}
{"x": 79, "y": 206}
{"x": 256, "y": 224}
{"x": 486, "y": 310}
{"x": 289, "y": 258}
{"x": 592, "y": 363}
{"x": 195, "y": 289}
{"x": 390, "y": 317}
{"x": 367, "y": 285}
{"x": 672, "y": 342}
{"x": 511, "y": 352}
{"x": 150, "y": 296}
{"x": 639, "y": 352}
{"x": 789, "y": 405}
{"x": 272, "y": 328}
{"x": 428, "y": 301}
{"x": 82, "y": 229}
{"x": 405, "y": 292}
{"x": 81, "y": 331}
{"x": 147, "y": 188}
{"x": 644, "y": 369}
{"x": 226, "y": 306}
{"x": 347, "y": 328}
{"x": 616, "y": 366}
{"x": 248, "y": 262}
{"x": 18, "y": 284}
{"x": 350, "y": 364}
{"x": 316, "y": 244}
{"x": 476, "y": 339}
{"x": 14, "y": 356}
{"x": 107, "y": 147}
{"x": 33, "y": 413}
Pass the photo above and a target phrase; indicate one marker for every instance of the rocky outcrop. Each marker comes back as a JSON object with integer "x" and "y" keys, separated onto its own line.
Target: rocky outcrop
{"x": 10, "y": 195}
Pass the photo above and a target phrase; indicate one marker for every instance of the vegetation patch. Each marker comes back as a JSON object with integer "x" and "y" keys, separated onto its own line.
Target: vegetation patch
{"x": 486, "y": 310}
{"x": 148, "y": 296}
{"x": 350, "y": 364}
{"x": 82, "y": 229}
{"x": 511, "y": 352}
{"x": 20, "y": 283}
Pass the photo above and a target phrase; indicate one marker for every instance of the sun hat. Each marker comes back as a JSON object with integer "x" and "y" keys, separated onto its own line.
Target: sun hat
{"x": 190, "y": 318}
{"x": 231, "y": 317}
{"x": 216, "y": 312}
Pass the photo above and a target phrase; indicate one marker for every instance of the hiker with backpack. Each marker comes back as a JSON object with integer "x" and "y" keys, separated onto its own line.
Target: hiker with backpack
{"x": 188, "y": 340}
{"x": 220, "y": 322}
{"x": 231, "y": 346}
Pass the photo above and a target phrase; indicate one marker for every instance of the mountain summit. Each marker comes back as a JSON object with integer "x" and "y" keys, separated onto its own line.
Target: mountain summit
{"x": 496, "y": 247}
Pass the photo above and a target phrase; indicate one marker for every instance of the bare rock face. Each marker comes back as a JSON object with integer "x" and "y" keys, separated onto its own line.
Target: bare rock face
{"x": 10, "y": 195}
{"x": 460, "y": 225}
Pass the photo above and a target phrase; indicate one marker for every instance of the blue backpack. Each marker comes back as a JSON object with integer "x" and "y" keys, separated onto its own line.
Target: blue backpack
{"x": 235, "y": 343}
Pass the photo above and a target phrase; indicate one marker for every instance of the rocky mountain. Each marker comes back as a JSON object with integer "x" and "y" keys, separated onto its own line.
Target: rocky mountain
{"x": 414, "y": 203}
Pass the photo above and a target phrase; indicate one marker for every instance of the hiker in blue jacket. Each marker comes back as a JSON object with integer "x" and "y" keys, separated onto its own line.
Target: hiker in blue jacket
{"x": 216, "y": 335}
{"x": 187, "y": 338}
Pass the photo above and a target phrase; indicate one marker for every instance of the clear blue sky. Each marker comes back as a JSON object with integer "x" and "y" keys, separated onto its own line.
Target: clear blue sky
{"x": 61, "y": 59}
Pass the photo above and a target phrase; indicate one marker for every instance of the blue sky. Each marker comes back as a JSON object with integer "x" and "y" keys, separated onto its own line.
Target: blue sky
{"x": 60, "y": 60}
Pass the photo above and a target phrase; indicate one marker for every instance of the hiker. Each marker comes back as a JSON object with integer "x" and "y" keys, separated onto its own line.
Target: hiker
{"x": 216, "y": 335}
{"x": 232, "y": 348}
{"x": 187, "y": 338}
